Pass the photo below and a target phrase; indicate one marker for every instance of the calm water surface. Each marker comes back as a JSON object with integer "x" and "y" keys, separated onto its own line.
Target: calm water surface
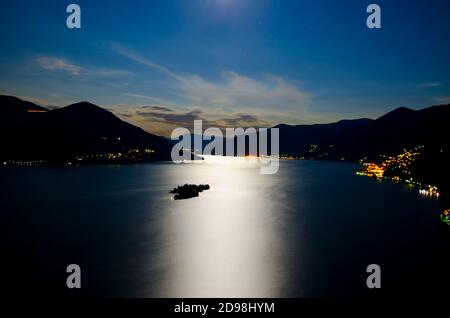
{"x": 308, "y": 231}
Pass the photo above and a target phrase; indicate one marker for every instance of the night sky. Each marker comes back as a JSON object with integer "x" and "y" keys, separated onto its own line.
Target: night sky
{"x": 161, "y": 64}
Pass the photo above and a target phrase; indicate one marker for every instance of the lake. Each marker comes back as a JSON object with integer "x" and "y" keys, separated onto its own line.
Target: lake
{"x": 310, "y": 230}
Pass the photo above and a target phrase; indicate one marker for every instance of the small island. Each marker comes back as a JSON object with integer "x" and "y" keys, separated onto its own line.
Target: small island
{"x": 188, "y": 191}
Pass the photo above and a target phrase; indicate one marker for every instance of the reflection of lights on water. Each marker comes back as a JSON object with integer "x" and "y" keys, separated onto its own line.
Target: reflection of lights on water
{"x": 234, "y": 160}
{"x": 224, "y": 244}
{"x": 228, "y": 159}
{"x": 432, "y": 192}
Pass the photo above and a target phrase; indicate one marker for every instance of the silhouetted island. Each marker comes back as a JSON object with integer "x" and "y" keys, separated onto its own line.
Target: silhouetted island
{"x": 188, "y": 191}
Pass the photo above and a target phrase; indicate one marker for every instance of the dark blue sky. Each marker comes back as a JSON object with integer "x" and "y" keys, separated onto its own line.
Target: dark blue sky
{"x": 276, "y": 61}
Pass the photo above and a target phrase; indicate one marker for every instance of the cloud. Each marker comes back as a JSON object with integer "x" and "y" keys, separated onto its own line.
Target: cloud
{"x": 178, "y": 119}
{"x": 107, "y": 72}
{"x": 124, "y": 114}
{"x": 444, "y": 100}
{"x": 72, "y": 69}
{"x": 231, "y": 90}
{"x": 58, "y": 64}
{"x": 238, "y": 119}
{"x": 229, "y": 100}
{"x": 141, "y": 60}
{"x": 147, "y": 97}
{"x": 234, "y": 90}
{"x": 430, "y": 84}
{"x": 159, "y": 108}
{"x": 162, "y": 120}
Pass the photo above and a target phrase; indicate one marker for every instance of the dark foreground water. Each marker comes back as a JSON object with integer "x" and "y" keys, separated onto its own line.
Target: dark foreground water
{"x": 308, "y": 231}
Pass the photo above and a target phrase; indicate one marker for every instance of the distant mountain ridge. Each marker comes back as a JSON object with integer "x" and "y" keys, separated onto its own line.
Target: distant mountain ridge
{"x": 29, "y": 131}
{"x": 32, "y": 132}
{"x": 11, "y": 105}
{"x": 355, "y": 139}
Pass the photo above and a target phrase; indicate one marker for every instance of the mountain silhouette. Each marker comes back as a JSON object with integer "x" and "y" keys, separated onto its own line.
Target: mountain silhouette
{"x": 13, "y": 106}
{"x": 29, "y": 131}
{"x": 32, "y": 132}
{"x": 356, "y": 139}
{"x": 297, "y": 140}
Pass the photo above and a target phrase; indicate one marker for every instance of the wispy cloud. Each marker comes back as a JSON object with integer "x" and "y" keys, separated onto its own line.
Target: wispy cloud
{"x": 162, "y": 120}
{"x": 174, "y": 118}
{"x": 230, "y": 100}
{"x": 234, "y": 90}
{"x": 148, "y": 97}
{"x": 72, "y": 69}
{"x": 58, "y": 64}
{"x": 144, "y": 61}
{"x": 231, "y": 90}
{"x": 158, "y": 108}
{"x": 443, "y": 100}
{"x": 430, "y": 84}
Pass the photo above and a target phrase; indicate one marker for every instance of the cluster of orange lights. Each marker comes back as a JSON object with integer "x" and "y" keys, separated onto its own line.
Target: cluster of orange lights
{"x": 36, "y": 111}
{"x": 400, "y": 166}
{"x": 372, "y": 170}
{"x": 400, "y": 162}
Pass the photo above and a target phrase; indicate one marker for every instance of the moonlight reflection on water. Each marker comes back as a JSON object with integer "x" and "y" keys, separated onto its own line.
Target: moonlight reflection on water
{"x": 309, "y": 230}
